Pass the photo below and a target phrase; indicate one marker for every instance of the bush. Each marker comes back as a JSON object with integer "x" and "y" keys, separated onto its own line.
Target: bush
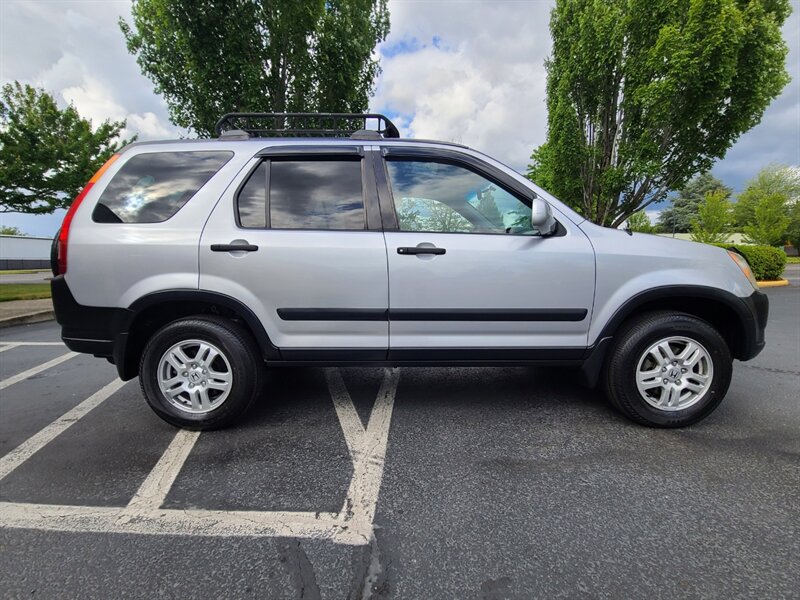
{"x": 767, "y": 262}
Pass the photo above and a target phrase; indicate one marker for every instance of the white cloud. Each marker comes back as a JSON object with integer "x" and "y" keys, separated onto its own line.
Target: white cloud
{"x": 93, "y": 100}
{"x": 96, "y": 102}
{"x": 76, "y": 51}
{"x": 149, "y": 126}
{"x": 469, "y": 72}
{"x": 473, "y": 72}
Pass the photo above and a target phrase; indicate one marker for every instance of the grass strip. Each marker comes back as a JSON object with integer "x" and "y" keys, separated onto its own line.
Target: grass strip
{"x": 23, "y": 271}
{"x": 24, "y": 291}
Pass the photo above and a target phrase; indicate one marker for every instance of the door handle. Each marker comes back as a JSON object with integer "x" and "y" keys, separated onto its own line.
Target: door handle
{"x": 233, "y": 247}
{"x": 420, "y": 250}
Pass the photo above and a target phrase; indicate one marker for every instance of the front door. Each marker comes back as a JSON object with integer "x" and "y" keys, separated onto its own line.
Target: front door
{"x": 470, "y": 278}
{"x": 295, "y": 240}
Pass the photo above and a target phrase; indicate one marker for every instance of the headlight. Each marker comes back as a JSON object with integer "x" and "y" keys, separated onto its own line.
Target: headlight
{"x": 744, "y": 266}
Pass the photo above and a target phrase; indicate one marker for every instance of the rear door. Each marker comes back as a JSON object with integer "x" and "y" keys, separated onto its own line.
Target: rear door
{"x": 298, "y": 239}
{"x": 469, "y": 277}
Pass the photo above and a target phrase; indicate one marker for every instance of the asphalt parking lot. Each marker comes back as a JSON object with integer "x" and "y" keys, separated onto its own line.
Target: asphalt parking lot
{"x": 409, "y": 483}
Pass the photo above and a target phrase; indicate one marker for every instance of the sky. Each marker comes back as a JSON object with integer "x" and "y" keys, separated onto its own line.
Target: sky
{"x": 466, "y": 71}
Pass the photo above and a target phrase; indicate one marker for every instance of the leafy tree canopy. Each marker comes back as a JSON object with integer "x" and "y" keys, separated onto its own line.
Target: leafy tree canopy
{"x": 772, "y": 179}
{"x": 47, "y": 154}
{"x": 209, "y": 57}
{"x": 640, "y": 222}
{"x": 770, "y": 220}
{"x": 713, "y": 221}
{"x": 6, "y": 230}
{"x": 685, "y": 205}
{"x": 642, "y": 94}
{"x": 793, "y": 231}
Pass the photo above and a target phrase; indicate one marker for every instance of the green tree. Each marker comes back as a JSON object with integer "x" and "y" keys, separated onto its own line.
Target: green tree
{"x": 639, "y": 221}
{"x": 770, "y": 220}
{"x": 772, "y": 179}
{"x": 47, "y": 154}
{"x": 678, "y": 218}
{"x": 642, "y": 94}
{"x": 6, "y": 230}
{"x": 793, "y": 231}
{"x": 713, "y": 221}
{"x": 539, "y": 168}
{"x": 209, "y": 57}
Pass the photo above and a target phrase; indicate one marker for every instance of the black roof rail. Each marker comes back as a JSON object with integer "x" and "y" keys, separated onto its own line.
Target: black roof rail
{"x": 306, "y": 124}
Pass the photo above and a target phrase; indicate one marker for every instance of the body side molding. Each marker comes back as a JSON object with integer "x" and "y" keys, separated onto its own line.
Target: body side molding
{"x": 432, "y": 314}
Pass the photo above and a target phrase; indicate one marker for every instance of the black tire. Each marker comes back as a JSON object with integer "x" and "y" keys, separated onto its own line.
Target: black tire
{"x": 238, "y": 347}
{"x": 634, "y": 339}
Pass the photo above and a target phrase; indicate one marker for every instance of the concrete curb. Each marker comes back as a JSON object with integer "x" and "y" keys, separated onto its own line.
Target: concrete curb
{"x": 771, "y": 284}
{"x": 34, "y": 317}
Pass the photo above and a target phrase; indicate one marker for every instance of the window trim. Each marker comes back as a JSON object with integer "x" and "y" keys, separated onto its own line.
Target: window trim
{"x": 372, "y": 220}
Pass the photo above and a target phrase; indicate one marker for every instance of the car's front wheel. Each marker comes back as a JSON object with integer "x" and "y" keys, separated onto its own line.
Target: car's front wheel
{"x": 201, "y": 372}
{"x": 668, "y": 369}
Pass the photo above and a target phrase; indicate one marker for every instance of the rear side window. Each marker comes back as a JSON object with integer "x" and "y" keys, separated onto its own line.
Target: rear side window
{"x": 303, "y": 194}
{"x": 152, "y": 187}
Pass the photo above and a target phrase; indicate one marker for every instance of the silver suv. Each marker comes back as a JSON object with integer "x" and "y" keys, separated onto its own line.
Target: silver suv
{"x": 195, "y": 263}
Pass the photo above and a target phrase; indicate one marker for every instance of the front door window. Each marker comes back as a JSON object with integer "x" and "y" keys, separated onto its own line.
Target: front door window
{"x": 444, "y": 198}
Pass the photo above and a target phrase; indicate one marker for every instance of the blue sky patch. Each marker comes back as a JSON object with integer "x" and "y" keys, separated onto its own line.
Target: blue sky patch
{"x": 406, "y": 45}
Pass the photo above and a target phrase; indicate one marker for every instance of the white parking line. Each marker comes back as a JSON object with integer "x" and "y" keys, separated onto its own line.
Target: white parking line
{"x": 362, "y": 496}
{"x": 29, "y": 447}
{"x": 154, "y": 490}
{"x": 35, "y": 370}
{"x": 33, "y": 343}
{"x": 348, "y": 417}
{"x": 99, "y": 519}
{"x": 143, "y": 515}
{"x": 9, "y": 345}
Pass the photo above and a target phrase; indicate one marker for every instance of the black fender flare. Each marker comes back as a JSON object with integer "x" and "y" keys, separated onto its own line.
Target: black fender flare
{"x": 268, "y": 350}
{"x": 751, "y": 313}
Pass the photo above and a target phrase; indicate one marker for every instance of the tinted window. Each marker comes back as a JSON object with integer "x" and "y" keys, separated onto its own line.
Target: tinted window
{"x": 316, "y": 194}
{"x": 445, "y": 198}
{"x": 252, "y": 201}
{"x": 152, "y": 187}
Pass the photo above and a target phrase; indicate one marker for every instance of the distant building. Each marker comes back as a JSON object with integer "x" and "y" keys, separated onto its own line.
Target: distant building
{"x": 24, "y": 252}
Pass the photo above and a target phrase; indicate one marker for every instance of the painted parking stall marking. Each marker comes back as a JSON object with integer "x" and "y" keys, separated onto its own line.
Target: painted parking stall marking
{"x": 36, "y": 370}
{"x": 11, "y": 345}
{"x": 155, "y": 488}
{"x": 29, "y": 447}
{"x": 352, "y": 525}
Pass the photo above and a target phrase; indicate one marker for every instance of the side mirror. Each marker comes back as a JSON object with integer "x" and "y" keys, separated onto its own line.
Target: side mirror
{"x": 542, "y": 217}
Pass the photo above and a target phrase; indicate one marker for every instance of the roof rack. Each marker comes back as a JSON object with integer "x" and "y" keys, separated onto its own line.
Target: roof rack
{"x": 306, "y": 124}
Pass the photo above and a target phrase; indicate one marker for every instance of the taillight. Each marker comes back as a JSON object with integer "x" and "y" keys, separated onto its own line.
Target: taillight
{"x": 63, "y": 233}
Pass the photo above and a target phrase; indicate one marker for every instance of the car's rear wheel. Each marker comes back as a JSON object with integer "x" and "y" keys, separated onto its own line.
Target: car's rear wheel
{"x": 668, "y": 369}
{"x": 201, "y": 372}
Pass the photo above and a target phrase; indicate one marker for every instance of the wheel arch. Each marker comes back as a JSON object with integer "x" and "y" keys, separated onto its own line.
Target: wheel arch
{"x": 152, "y": 311}
{"x": 722, "y": 309}
{"x": 726, "y": 312}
